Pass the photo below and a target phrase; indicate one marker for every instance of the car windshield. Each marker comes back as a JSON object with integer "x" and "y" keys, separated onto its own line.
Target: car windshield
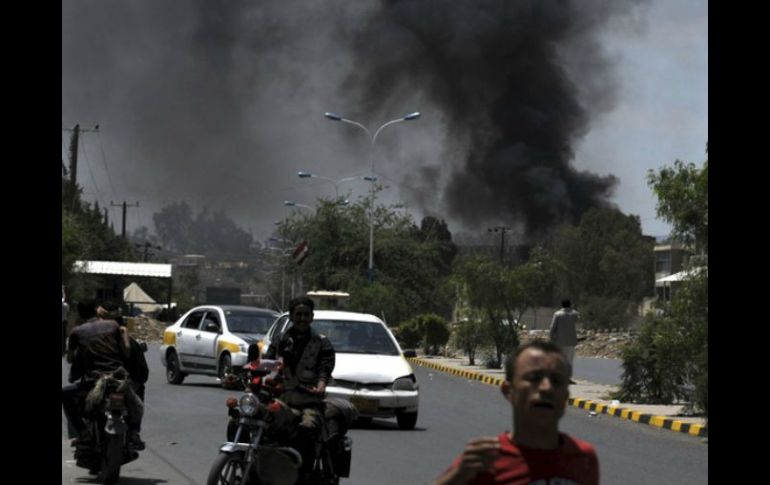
{"x": 244, "y": 322}
{"x": 357, "y": 337}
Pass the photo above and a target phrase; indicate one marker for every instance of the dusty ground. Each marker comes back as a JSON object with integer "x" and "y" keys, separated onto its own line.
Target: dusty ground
{"x": 593, "y": 344}
{"x": 146, "y": 329}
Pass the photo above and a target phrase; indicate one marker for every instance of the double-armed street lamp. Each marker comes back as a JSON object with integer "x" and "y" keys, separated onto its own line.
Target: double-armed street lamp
{"x": 372, "y": 138}
{"x": 336, "y": 182}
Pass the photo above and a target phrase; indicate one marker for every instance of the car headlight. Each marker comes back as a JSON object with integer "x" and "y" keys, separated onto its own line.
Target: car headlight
{"x": 243, "y": 347}
{"x": 248, "y": 405}
{"x": 404, "y": 384}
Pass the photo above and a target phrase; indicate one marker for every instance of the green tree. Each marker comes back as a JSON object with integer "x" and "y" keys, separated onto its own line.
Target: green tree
{"x": 410, "y": 264}
{"x": 605, "y": 259}
{"x": 682, "y": 192}
{"x": 173, "y": 225}
{"x": 669, "y": 360}
{"x": 469, "y": 335}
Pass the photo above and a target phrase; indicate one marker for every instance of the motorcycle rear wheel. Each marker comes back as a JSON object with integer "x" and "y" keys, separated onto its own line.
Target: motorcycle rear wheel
{"x": 112, "y": 459}
{"x": 227, "y": 469}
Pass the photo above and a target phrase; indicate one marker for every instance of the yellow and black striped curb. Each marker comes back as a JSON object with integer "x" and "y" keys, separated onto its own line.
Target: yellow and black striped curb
{"x": 495, "y": 381}
{"x": 658, "y": 421}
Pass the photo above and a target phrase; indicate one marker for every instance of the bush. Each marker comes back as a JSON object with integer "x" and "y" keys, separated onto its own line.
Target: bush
{"x": 436, "y": 331}
{"x": 410, "y": 333}
{"x": 669, "y": 359}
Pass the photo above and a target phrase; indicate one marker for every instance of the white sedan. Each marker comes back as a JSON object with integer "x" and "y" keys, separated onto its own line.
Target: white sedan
{"x": 212, "y": 340}
{"x": 370, "y": 369}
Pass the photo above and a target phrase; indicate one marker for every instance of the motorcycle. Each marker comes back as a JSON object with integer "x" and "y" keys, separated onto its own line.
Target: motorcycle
{"x": 106, "y": 409}
{"x": 261, "y": 427}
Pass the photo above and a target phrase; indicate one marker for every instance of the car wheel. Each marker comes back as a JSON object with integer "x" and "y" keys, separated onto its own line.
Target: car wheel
{"x": 406, "y": 420}
{"x": 225, "y": 367}
{"x": 173, "y": 373}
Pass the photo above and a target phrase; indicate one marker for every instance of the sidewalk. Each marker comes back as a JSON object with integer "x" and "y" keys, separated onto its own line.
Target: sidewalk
{"x": 592, "y": 397}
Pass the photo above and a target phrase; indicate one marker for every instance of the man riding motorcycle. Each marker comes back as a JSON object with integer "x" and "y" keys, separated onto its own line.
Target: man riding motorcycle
{"x": 308, "y": 364}
{"x": 96, "y": 346}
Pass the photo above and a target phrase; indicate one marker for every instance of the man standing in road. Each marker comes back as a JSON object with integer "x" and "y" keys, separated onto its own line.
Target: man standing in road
{"x": 536, "y": 385}
{"x": 564, "y": 332}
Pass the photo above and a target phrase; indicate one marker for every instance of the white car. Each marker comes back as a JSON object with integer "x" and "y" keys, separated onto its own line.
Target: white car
{"x": 212, "y": 340}
{"x": 370, "y": 369}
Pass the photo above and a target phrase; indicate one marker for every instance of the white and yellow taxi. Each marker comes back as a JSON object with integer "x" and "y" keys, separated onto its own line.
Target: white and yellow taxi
{"x": 212, "y": 340}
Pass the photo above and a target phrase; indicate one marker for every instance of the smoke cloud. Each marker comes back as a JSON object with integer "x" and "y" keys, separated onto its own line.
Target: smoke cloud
{"x": 221, "y": 103}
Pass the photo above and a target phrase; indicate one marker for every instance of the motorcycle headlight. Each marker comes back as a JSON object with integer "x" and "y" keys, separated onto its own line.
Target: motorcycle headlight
{"x": 248, "y": 405}
{"x": 404, "y": 384}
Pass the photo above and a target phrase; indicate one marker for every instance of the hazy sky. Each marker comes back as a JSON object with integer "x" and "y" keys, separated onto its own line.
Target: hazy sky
{"x": 221, "y": 103}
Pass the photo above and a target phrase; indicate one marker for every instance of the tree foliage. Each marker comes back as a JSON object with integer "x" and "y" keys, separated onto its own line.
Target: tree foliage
{"x": 668, "y": 362}
{"x": 682, "y": 192}
{"x": 410, "y": 262}
{"x": 212, "y": 233}
{"x": 606, "y": 260}
{"x": 86, "y": 235}
{"x": 500, "y": 295}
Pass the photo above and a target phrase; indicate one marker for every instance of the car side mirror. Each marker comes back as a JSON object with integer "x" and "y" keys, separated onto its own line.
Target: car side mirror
{"x": 410, "y": 353}
{"x": 212, "y": 327}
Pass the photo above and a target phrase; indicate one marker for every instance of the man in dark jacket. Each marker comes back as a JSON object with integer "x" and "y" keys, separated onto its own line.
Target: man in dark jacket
{"x": 135, "y": 364}
{"x": 308, "y": 364}
{"x": 96, "y": 346}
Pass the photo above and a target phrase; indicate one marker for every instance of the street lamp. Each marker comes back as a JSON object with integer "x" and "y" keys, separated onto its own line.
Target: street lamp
{"x": 372, "y": 138}
{"x": 290, "y": 203}
{"x": 305, "y": 175}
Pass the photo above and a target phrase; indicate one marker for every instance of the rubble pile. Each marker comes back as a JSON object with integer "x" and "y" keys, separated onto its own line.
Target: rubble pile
{"x": 145, "y": 329}
{"x": 607, "y": 344}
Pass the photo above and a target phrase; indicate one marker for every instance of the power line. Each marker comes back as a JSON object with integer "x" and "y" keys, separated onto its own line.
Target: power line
{"x": 104, "y": 161}
{"x": 91, "y": 173}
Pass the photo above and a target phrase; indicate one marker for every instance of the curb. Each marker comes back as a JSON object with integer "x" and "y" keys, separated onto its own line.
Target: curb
{"x": 622, "y": 413}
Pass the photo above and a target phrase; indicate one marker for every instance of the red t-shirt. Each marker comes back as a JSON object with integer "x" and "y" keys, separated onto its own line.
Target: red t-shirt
{"x": 574, "y": 462}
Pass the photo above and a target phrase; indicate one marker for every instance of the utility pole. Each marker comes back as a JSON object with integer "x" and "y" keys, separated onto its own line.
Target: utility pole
{"x": 74, "y": 140}
{"x": 146, "y": 246}
{"x": 502, "y": 230}
{"x": 123, "y": 233}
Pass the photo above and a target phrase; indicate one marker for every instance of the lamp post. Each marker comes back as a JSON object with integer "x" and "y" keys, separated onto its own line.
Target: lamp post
{"x": 372, "y": 139}
{"x": 289, "y": 203}
{"x": 337, "y": 182}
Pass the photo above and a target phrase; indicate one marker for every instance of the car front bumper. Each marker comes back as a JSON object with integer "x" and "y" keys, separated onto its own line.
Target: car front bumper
{"x": 383, "y": 403}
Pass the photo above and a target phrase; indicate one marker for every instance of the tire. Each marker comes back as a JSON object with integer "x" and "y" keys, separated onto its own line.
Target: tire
{"x": 173, "y": 373}
{"x": 406, "y": 420}
{"x": 112, "y": 459}
{"x": 227, "y": 469}
{"x": 225, "y": 367}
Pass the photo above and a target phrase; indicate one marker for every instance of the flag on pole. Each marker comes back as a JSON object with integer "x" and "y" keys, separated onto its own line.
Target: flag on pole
{"x": 300, "y": 253}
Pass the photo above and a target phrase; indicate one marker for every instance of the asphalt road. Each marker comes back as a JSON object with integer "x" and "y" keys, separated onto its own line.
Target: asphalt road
{"x": 599, "y": 371}
{"x": 185, "y": 425}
